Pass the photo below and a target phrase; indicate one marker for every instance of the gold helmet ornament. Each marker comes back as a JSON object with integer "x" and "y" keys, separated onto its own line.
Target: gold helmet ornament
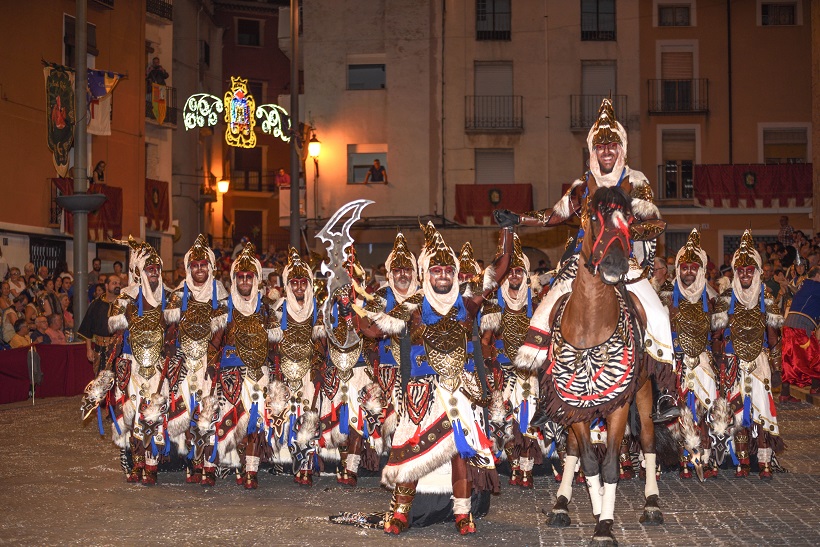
{"x": 296, "y": 268}
{"x": 439, "y": 253}
{"x": 691, "y": 251}
{"x": 606, "y": 127}
{"x": 400, "y": 256}
{"x": 466, "y": 262}
{"x": 247, "y": 261}
{"x": 746, "y": 255}
{"x": 200, "y": 251}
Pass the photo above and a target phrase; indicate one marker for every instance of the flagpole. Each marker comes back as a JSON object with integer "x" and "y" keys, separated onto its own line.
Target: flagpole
{"x": 295, "y": 135}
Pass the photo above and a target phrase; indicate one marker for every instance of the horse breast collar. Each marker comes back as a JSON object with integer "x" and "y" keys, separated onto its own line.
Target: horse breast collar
{"x": 590, "y": 377}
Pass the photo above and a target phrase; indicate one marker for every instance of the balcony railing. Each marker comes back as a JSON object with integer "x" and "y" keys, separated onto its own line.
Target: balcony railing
{"x": 161, "y": 8}
{"x": 494, "y": 113}
{"x": 584, "y": 110}
{"x": 107, "y": 4}
{"x": 493, "y": 26}
{"x": 170, "y": 107}
{"x": 253, "y": 181}
{"x": 679, "y": 96}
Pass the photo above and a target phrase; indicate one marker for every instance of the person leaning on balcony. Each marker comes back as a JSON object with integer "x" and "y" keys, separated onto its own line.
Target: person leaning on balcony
{"x": 377, "y": 173}
{"x": 282, "y": 179}
{"x": 155, "y": 73}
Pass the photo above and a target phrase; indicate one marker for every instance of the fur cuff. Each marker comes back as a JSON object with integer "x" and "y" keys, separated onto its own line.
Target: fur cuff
{"x": 219, "y": 322}
{"x": 774, "y": 320}
{"x": 720, "y": 320}
{"x": 309, "y": 428}
{"x": 490, "y": 322}
{"x": 387, "y": 324}
{"x": 489, "y": 283}
{"x": 275, "y": 335}
{"x": 562, "y": 208}
{"x": 318, "y": 332}
{"x": 644, "y": 209}
{"x": 117, "y": 323}
{"x": 530, "y": 358}
{"x": 172, "y": 315}
{"x": 278, "y": 395}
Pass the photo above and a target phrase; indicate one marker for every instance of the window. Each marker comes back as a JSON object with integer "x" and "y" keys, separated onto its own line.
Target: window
{"x": 257, "y": 89}
{"x": 360, "y": 158}
{"x": 494, "y": 166}
{"x": 597, "y": 82}
{"x": 493, "y": 107}
{"x": 778, "y": 13}
{"x": 249, "y": 32}
{"x": 598, "y": 20}
{"x": 785, "y": 145}
{"x": 678, "y": 157}
{"x": 676, "y": 81}
{"x": 205, "y": 53}
{"x": 69, "y": 40}
{"x": 674, "y": 16}
{"x": 246, "y": 172}
{"x": 492, "y": 19}
{"x": 366, "y": 76}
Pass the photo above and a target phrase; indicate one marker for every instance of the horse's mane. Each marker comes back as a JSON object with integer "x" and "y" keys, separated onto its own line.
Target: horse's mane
{"x": 609, "y": 198}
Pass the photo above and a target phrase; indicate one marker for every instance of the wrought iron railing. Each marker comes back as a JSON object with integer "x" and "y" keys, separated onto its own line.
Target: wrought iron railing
{"x": 494, "y": 113}
{"x": 161, "y": 8}
{"x": 108, "y": 4}
{"x": 679, "y": 96}
{"x": 584, "y": 110}
{"x": 171, "y": 110}
{"x": 493, "y": 26}
{"x": 254, "y": 181}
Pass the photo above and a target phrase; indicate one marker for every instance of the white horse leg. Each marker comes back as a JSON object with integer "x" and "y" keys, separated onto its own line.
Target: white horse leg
{"x": 651, "y": 486}
{"x": 595, "y": 493}
{"x": 565, "y": 489}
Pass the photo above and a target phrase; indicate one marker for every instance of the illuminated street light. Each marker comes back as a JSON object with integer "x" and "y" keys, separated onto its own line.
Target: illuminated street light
{"x": 223, "y": 185}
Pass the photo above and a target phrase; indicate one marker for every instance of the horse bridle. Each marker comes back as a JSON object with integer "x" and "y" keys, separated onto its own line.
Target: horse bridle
{"x": 621, "y": 228}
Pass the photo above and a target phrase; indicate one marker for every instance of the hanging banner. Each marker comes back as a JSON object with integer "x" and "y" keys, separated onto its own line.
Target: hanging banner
{"x": 158, "y": 104}
{"x": 60, "y": 115}
{"x": 99, "y": 116}
{"x": 156, "y": 204}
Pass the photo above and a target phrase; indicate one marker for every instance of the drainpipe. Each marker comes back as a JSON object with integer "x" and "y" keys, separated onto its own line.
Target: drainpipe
{"x": 729, "y": 70}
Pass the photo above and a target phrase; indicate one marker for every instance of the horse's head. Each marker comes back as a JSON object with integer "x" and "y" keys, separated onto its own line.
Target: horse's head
{"x": 610, "y": 228}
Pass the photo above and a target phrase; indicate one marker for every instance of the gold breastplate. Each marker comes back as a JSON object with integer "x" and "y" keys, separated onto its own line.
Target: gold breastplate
{"x": 146, "y": 338}
{"x": 747, "y": 327}
{"x": 692, "y": 325}
{"x": 251, "y": 341}
{"x": 195, "y": 329}
{"x": 514, "y": 326}
{"x": 295, "y": 351}
{"x": 344, "y": 359}
{"x": 445, "y": 343}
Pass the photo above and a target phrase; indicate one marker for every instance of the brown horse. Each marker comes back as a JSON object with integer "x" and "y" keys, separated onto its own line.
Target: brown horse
{"x": 595, "y": 366}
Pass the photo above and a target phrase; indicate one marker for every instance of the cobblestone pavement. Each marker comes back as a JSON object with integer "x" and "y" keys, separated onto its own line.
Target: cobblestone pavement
{"x": 60, "y": 483}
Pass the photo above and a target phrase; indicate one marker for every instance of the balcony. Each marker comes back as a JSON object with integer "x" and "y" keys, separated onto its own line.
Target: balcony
{"x": 584, "y": 110}
{"x": 475, "y": 203}
{"x": 494, "y": 114}
{"x": 679, "y": 96}
{"x": 253, "y": 181}
{"x": 753, "y": 186}
{"x": 164, "y": 9}
{"x": 163, "y": 114}
{"x": 105, "y": 4}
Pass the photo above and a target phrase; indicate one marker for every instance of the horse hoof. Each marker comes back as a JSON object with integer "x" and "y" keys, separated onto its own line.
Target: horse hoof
{"x": 559, "y": 519}
{"x": 603, "y": 535}
{"x": 652, "y": 515}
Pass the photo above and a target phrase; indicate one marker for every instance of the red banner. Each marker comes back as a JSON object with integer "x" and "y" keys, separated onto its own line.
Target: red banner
{"x": 102, "y": 224}
{"x": 156, "y": 205}
{"x": 66, "y": 372}
{"x": 480, "y": 200}
{"x": 753, "y": 186}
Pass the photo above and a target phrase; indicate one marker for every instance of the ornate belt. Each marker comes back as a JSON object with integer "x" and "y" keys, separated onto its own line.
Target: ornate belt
{"x": 419, "y": 366}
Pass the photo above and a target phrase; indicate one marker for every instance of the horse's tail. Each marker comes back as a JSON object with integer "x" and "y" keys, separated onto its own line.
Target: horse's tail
{"x": 666, "y": 445}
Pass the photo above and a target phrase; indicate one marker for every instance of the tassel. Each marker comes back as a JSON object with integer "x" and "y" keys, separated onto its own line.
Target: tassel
{"x": 334, "y": 314}
{"x": 114, "y": 419}
{"x": 529, "y": 302}
{"x": 763, "y": 299}
{"x": 551, "y": 450}
{"x": 214, "y": 296}
{"x": 191, "y": 407}
{"x": 167, "y": 450}
{"x": 191, "y": 452}
{"x": 732, "y": 304}
{"x": 253, "y": 418}
{"x": 523, "y": 416}
{"x": 333, "y": 415}
{"x": 391, "y": 300}
{"x": 292, "y": 432}
{"x": 185, "y": 296}
{"x": 365, "y": 432}
{"x": 154, "y": 451}
{"x": 464, "y": 449}
{"x": 315, "y": 311}
{"x": 747, "y": 412}
{"x": 676, "y": 294}
{"x": 705, "y": 300}
{"x": 732, "y": 454}
{"x": 482, "y": 437}
{"x": 500, "y": 297}
{"x": 99, "y": 420}
{"x": 258, "y": 302}
{"x": 344, "y": 419}
{"x": 140, "y": 307}
{"x": 214, "y": 451}
{"x": 162, "y": 292}
{"x": 270, "y": 435}
{"x": 414, "y": 440}
{"x": 230, "y": 309}
{"x": 173, "y": 403}
{"x": 772, "y": 408}
{"x": 691, "y": 402}
{"x": 285, "y": 316}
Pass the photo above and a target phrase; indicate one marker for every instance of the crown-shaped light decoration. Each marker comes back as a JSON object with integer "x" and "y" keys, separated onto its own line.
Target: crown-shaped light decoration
{"x": 603, "y": 132}
{"x": 692, "y": 251}
{"x": 400, "y": 256}
{"x": 746, "y": 255}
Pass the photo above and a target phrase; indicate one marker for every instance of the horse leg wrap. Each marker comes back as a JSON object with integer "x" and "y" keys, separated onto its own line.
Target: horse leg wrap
{"x": 595, "y": 493}
{"x": 566, "y": 479}
{"x": 461, "y": 506}
{"x": 651, "y": 486}
{"x": 608, "y": 501}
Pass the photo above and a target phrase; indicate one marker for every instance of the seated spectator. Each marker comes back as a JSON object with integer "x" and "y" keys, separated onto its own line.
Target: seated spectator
{"x": 20, "y": 338}
{"x": 16, "y": 282}
{"x": 55, "y": 329}
{"x": 68, "y": 311}
{"x": 38, "y": 335}
{"x": 42, "y": 273}
{"x": 28, "y": 270}
{"x": 5, "y": 296}
{"x": 12, "y": 314}
{"x": 68, "y": 284}
{"x": 124, "y": 281}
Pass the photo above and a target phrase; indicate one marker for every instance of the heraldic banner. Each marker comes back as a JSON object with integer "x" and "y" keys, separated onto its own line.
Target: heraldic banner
{"x": 101, "y": 86}
{"x": 104, "y": 223}
{"x": 158, "y": 102}
{"x": 60, "y": 114}
{"x": 156, "y": 205}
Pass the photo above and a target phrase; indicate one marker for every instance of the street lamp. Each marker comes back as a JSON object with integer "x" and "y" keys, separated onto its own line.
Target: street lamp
{"x": 223, "y": 185}
{"x": 314, "y": 149}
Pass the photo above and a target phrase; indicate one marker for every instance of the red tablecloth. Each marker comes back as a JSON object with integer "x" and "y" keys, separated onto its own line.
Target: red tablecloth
{"x": 66, "y": 372}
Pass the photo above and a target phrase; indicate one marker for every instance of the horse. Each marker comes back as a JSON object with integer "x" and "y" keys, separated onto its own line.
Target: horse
{"x": 595, "y": 364}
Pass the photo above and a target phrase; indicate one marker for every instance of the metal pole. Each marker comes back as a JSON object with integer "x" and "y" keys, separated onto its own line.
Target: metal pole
{"x": 80, "y": 175}
{"x": 295, "y": 189}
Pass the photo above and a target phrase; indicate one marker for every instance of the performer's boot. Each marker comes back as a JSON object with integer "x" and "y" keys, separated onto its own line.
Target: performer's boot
{"x": 149, "y": 476}
{"x": 400, "y": 505}
{"x": 710, "y": 471}
{"x": 685, "y": 472}
{"x": 625, "y": 462}
{"x": 580, "y": 478}
{"x": 526, "y": 465}
{"x": 515, "y": 469}
{"x": 194, "y": 472}
{"x": 742, "y": 452}
{"x": 348, "y": 475}
{"x": 136, "y": 472}
{"x": 304, "y": 476}
{"x": 208, "y": 475}
{"x": 464, "y": 519}
{"x": 764, "y": 458}
{"x": 251, "y": 468}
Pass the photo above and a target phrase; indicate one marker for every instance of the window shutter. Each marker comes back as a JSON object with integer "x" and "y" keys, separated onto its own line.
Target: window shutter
{"x": 676, "y": 65}
{"x": 494, "y": 166}
{"x": 678, "y": 144}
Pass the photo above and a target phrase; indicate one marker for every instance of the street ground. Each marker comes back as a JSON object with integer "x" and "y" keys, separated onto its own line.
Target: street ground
{"x": 61, "y": 484}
